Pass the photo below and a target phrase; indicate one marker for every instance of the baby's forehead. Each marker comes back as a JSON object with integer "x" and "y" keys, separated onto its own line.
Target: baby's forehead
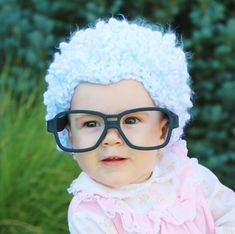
{"x": 119, "y": 96}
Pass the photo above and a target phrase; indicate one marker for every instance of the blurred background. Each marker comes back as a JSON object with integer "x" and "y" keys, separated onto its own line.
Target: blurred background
{"x": 33, "y": 175}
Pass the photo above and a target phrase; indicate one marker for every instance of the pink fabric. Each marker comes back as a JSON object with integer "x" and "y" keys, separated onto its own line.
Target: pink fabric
{"x": 189, "y": 214}
{"x": 201, "y": 223}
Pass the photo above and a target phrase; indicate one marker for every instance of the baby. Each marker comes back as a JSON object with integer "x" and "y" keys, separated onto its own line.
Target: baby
{"x": 118, "y": 98}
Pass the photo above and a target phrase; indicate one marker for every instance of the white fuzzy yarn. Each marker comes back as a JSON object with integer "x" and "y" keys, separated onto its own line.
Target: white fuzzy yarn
{"x": 113, "y": 50}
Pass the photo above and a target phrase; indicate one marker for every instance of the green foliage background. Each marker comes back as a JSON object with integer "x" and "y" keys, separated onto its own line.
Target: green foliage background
{"x": 33, "y": 175}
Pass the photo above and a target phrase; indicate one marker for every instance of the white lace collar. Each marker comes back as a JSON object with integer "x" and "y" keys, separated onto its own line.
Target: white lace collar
{"x": 165, "y": 170}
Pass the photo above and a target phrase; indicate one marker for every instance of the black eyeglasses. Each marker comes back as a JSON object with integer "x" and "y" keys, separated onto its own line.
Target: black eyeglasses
{"x": 147, "y": 128}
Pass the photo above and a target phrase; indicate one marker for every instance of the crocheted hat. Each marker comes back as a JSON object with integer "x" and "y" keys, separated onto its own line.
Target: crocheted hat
{"x": 113, "y": 50}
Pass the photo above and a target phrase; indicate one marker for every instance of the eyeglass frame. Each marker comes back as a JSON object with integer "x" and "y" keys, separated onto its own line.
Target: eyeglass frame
{"x": 59, "y": 122}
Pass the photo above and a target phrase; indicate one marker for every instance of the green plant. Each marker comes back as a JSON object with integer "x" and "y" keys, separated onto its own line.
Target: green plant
{"x": 34, "y": 176}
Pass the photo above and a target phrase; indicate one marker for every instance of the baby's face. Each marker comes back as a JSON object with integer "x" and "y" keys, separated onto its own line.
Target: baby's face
{"x": 113, "y": 99}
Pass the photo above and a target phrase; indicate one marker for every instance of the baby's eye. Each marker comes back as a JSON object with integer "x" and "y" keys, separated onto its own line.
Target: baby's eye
{"x": 131, "y": 120}
{"x": 91, "y": 124}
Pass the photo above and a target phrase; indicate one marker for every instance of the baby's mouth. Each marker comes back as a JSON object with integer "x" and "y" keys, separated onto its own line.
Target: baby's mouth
{"x": 114, "y": 160}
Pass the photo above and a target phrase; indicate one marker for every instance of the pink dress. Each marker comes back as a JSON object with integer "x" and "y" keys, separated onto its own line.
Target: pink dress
{"x": 181, "y": 197}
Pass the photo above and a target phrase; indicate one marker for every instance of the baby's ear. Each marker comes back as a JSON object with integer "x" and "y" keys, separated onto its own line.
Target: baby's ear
{"x": 164, "y": 128}
{"x": 69, "y": 134}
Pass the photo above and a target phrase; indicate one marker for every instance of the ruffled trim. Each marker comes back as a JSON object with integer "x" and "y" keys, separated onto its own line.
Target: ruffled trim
{"x": 184, "y": 209}
{"x": 178, "y": 213}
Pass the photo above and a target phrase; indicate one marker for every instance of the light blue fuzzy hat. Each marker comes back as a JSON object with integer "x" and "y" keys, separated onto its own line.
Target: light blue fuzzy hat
{"x": 113, "y": 50}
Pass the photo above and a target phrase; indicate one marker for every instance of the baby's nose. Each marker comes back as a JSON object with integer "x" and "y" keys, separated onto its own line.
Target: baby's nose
{"x": 112, "y": 137}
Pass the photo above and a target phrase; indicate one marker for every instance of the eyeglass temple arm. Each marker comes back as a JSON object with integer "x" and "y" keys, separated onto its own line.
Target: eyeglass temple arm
{"x": 175, "y": 121}
{"x": 57, "y": 124}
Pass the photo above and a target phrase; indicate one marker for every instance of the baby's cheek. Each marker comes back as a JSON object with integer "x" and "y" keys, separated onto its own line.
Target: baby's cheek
{"x": 83, "y": 162}
{"x": 147, "y": 161}
{"x": 153, "y": 137}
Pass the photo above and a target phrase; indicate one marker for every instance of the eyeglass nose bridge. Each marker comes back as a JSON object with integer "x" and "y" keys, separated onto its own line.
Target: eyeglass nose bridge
{"x": 112, "y": 124}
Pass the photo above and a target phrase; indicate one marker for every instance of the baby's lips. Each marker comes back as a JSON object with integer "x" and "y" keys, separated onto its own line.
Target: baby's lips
{"x": 113, "y": 157}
